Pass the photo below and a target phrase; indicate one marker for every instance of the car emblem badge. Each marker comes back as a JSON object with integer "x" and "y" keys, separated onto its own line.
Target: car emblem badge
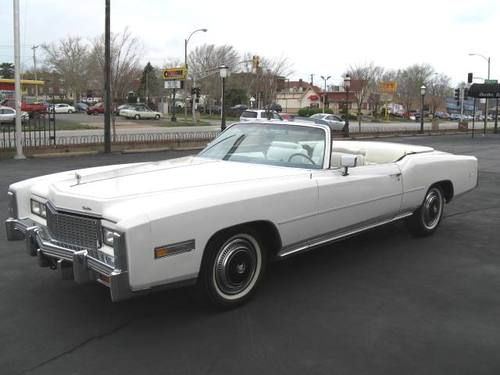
{"x": 86, "y": 208}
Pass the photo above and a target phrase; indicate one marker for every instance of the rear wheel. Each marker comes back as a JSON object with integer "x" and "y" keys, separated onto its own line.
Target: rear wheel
{"x": 232, "y": 267}
{"x": 427, "y": 217}
{"x": 137, "y": 117}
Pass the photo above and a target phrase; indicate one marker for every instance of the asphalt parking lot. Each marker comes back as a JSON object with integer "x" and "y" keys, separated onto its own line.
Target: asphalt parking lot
{"x": 381, "y": 303}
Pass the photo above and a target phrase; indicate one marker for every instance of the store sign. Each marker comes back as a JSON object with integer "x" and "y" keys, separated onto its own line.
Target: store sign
{"x": 388, "y": 87}
{"x": 174, "y": 74}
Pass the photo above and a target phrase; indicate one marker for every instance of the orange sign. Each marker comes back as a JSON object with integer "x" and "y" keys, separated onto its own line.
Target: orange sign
{"x": 171, "y": 74}
{"x": 388, "y": 87}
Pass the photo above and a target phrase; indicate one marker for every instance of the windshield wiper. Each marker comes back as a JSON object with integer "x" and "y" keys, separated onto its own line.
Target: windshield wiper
{"x": 234, "y": 147}
{"x": 216, "y": 143}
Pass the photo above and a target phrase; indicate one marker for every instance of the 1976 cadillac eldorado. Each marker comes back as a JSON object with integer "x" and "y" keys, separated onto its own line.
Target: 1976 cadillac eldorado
{"x": 259, "y": 191}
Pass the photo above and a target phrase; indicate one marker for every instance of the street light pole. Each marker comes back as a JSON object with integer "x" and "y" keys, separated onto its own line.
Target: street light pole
{"x": 186, "y": 41}
{"x": 347, "y": 85}
{"x": 422, "y": 94}
{"x": 324, "y": 91}
{"x": 17, "y": 81}
{"x": 34, "y": 71}
{"x": 488, "y": 60}
{"x": 224, "y": 73}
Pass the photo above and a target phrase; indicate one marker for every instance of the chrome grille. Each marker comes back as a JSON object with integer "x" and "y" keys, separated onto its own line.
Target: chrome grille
{"x": 74, "y": 230}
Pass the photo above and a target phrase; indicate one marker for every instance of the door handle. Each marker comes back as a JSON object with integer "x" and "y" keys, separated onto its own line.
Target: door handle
{"x": 396, "y": 175}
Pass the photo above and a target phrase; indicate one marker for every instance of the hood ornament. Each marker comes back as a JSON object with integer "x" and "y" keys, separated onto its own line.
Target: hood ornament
{"x": 78, "y": 178}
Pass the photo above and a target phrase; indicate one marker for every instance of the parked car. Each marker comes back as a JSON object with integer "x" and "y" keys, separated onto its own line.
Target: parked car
{"x": 287, "y": 116}
{"x": 335, "y": 122}
{"x": 442, "y": 115}
{"x": 34, "y": 107}
{"x": 260, "y": 191}
{"x": 120, "y": 107}
{"x": 62, "y": 108}
{"x": 8, "y": 115}
{"x": 96, "y": 109}
{"x": 259, "y": 115}
{"x": 140, "y": 112}
{"x": 82, "y": 107}
{"x": 236, "y": 110}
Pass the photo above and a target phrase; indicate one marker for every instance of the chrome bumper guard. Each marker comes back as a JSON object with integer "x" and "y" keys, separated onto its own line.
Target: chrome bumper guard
{"x": 75, "y": 264}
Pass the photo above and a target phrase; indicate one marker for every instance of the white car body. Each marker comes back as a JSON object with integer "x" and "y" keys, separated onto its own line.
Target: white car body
{"x": 8, "y": 114}
{"x": 259, "y": 115}
{"x": 178, "y": 206}
{"x": 63, "y": 108}
{"x": 140, "y": 112}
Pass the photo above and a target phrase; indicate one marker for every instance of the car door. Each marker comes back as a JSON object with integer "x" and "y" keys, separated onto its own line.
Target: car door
{"x": 367, "y": 195}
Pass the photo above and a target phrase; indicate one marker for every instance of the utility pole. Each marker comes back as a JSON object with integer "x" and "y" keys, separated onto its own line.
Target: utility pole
{"x": 107, "y": 79}
{"x": 34, "y": 69}
{"x": 312, "y": 79}
{"x": 17, "y": 84}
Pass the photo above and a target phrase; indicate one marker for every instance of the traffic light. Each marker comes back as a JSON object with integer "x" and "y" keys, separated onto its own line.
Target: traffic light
{"x": 469, "y": 78}
{"x": 457, "y": 97}
{"x": 466, "y": 92}
{"x": 197, "y": 91}
{"x": 193, "y": 90}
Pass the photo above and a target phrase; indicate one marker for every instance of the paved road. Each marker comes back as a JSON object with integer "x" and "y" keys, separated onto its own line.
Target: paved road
{"x": 125, "y": 126}
{"x": 381, "y": 303}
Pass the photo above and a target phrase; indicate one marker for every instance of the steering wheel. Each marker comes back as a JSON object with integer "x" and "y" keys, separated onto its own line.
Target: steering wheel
{"x": 302, "y": 155}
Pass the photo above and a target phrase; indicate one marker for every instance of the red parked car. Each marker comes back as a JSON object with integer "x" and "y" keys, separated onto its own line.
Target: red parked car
{"x": 95, "y": 109}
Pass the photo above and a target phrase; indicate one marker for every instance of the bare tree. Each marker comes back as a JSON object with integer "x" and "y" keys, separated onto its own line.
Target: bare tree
{"x": 69, "y": 58}
{"x": 126, "y": 51}
{"x": 409, "y": 82}
{"x": 204, "y": 62}
{"x": 364, "y": 80}
{"x": 437, "y": 90}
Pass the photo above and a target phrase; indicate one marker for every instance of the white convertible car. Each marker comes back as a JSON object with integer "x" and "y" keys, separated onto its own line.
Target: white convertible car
{"x": 258, "y": 192}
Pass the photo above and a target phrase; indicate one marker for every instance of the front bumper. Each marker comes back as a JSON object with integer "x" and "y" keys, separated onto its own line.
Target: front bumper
{"x": 74, "y": 264}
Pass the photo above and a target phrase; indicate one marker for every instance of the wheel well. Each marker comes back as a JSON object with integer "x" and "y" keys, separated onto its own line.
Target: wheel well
{"x": 266, "y": 230}
{"x": 447, "y": 188}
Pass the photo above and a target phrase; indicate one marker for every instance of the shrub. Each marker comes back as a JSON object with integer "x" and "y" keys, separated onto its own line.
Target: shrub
{"x": 309, "y": 111}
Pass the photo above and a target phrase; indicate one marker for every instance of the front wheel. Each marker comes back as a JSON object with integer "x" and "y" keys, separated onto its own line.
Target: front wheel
{"x": 427, "y": 217}
{"x": 232, "y": 267}
{"x": 137, "y": 117}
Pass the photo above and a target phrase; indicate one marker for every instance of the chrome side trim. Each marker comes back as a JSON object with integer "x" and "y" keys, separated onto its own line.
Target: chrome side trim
{"x": 333, "y": 237}
{"x": 177, "y": 248}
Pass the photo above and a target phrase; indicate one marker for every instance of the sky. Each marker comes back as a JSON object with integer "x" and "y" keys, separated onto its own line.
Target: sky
{"x": 321, "y": 37}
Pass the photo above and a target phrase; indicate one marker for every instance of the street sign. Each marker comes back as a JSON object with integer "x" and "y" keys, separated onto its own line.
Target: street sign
{"x": 478, "y": 90}
{"x": 491, "y": 81}
{"x": 172, "y": 84}
{"x": 174, "y": 74}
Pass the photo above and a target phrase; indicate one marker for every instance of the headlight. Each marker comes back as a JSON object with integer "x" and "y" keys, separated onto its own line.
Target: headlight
{"x": 38, "y": 208}
{"x": 108, "y": 236}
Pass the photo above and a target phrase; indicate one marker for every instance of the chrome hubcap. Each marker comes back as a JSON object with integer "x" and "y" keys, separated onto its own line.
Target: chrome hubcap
{"x": 236, "y": 265}
{"x": 432, "y": 209}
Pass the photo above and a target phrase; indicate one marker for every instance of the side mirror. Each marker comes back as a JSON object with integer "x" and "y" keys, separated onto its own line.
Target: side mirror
{"x": 348, "y": 161}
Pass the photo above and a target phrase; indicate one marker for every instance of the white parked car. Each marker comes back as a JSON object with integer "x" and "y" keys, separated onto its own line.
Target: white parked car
{"x": 260, "y": 191}
{"x": 63, "y": 108}
{"x": 259, "y": 115}
{"x": 335, "y": 122}
{"x": 139, "y": 112}
{"x": 8, "y": 114}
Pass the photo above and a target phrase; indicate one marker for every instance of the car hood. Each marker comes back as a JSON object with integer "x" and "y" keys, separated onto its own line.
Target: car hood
{"x": 94, "y": 189}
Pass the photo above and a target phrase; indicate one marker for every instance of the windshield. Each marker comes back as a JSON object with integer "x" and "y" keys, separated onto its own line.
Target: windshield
{"x": 277, "y": 144}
